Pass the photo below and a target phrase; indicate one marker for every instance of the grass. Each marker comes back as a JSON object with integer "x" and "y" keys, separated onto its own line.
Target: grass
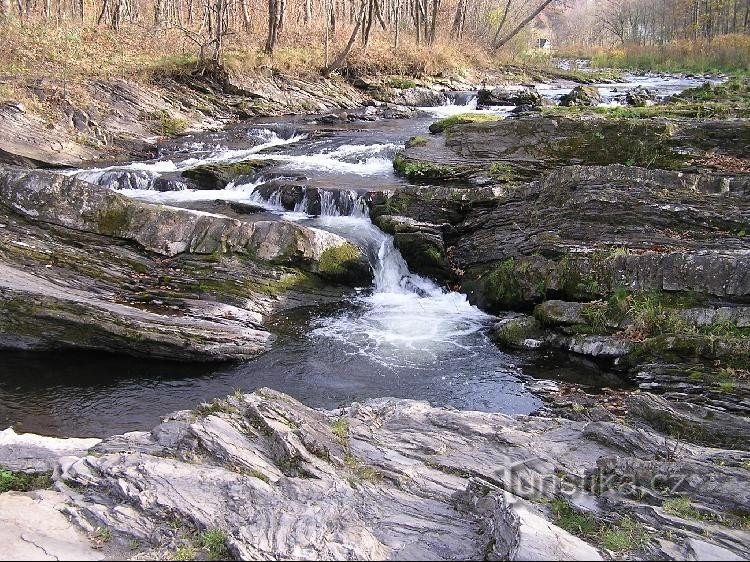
{"x": 726, "y": 54}
{"x": 171, "y": 126}
{"x": 416, "y": 142}
{"x": 681, "y": 507}
{"x": 462, "y": 118}
{"x": 22, "y": 482}
{"x": 214, "y": 542}
{"x": 184, "y": 553}
{"x": 216, "y": 406}
{"x": 627, "y": 535}
{"x": 340, "y": 429}
{"x": 400, "y": 83}
{"x": 103, "y": 534}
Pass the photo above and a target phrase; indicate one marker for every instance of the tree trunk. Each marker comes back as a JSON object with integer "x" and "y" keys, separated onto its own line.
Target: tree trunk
{"x": 4, "y": 9}
{"x": 433, "y": 25}
{"x": 458, "y": 20}
{"x": 502, "y": 22}
{"x": 273, "y": 25}
{"x": 521, "y": 25}
{"x": 246, "y": 22}
{"x": 339, "y": 61}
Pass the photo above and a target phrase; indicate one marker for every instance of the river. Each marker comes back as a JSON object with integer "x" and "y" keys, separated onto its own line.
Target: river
{"x": 405, "y": 336}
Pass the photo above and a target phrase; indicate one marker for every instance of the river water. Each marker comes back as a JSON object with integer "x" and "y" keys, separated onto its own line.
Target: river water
{"x": 405, "y": 336}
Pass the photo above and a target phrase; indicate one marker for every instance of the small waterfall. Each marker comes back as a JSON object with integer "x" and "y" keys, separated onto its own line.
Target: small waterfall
{"x": 302, "y": 205}
{"x": 328, "y": 205}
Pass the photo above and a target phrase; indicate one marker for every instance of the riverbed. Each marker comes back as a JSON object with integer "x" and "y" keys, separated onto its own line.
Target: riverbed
{"x": 405, "y": 336}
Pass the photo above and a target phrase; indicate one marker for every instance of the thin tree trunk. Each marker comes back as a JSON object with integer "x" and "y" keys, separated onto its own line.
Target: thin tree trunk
{"x": 246, "y": 22}
{"x": 521, "y": 25}
{"x": 502, "y": 22}
{"x": 339, "y": 61}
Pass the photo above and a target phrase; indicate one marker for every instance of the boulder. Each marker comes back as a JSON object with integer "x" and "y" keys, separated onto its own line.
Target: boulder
{"x": 639, "y": 97}
{"x": 581, "y": 96}
{"x": 528, "y": 96}
{"x": 691, "y": 422}
{"x": 86, "y": 268}
{"x": 219, "y": 175}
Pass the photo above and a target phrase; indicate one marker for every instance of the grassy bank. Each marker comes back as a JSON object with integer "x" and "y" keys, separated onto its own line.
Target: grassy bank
{"x": 728, "y": 54}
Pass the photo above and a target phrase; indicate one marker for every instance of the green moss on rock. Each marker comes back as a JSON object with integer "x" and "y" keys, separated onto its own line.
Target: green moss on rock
{"x": 344, "y": 264}
{"x": 420, "y": 170}
{"x": 463, "y": 118}
{"x": 112, "y": 221}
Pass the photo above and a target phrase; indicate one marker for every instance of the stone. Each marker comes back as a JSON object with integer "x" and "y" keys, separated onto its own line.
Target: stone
{"x": 691, "y": 422}
{"x": 582, "y": 96}
{"x": 218, "y": 176}
{"x": 639, "y": 97}
{"x": 31, "y": 528}
{"x": 387, "y": 479}
{"x": 151, "y": 280}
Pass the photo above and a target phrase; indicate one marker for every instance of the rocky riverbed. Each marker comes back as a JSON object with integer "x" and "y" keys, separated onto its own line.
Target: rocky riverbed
{"x": 617, "y": 236}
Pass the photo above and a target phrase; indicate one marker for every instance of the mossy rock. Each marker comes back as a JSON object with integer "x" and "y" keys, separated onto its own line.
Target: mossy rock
{"x": 512, "y": 333}
{"x": 344, "y": 264}
{"x": 425, "y": 254}
{"x": 114, "y": 220}
{"x": 219, "y": 175}
{"x": 462, "y": 119}
{"x": 417, "y": 170}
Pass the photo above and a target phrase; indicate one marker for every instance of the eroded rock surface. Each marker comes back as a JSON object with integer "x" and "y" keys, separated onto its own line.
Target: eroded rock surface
{"x": 396, "y": 479}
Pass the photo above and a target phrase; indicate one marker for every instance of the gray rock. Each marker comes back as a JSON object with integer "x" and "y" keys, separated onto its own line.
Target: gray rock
{"x": 639, "y": 97}
{"x": 582, "y": 96}
{"x": 691, "y": 422}
{"x": 387, "y": 479}
{"x": 114, "y": 259}
{"x": 32, "y": 528}
{"x": 27, "y": 452}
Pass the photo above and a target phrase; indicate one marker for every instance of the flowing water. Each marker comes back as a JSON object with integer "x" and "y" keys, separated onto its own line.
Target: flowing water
{"x": 405, "y": 336}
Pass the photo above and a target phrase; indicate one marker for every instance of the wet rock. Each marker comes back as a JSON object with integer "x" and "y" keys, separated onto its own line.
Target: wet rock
{"x": 218, "y": 176}
{"x": 639, "y": 97}
{"x": 84, "y": 267}
{"x": 582, "y": 96}
{"x": 556, "y": 312}
{"x": 518, "y": 331}
{"x": 419, "y": 96}
{"x": 506, "y": 97}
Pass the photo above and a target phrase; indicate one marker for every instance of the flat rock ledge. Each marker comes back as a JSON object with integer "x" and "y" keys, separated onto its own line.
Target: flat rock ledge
{"x": 394, "y": 479}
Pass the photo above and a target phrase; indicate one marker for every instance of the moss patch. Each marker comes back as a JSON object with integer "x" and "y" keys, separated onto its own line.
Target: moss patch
{"x": 461, "y": 119}
{"x": 421, "y": 170}
{"x": 343, "y": 263}
{"x": 113, "y": 221}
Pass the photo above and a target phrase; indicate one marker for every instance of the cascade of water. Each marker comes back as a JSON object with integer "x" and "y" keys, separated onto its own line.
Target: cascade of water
{"x": 301, "y": 205}
{"x": 328, "y": 206}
